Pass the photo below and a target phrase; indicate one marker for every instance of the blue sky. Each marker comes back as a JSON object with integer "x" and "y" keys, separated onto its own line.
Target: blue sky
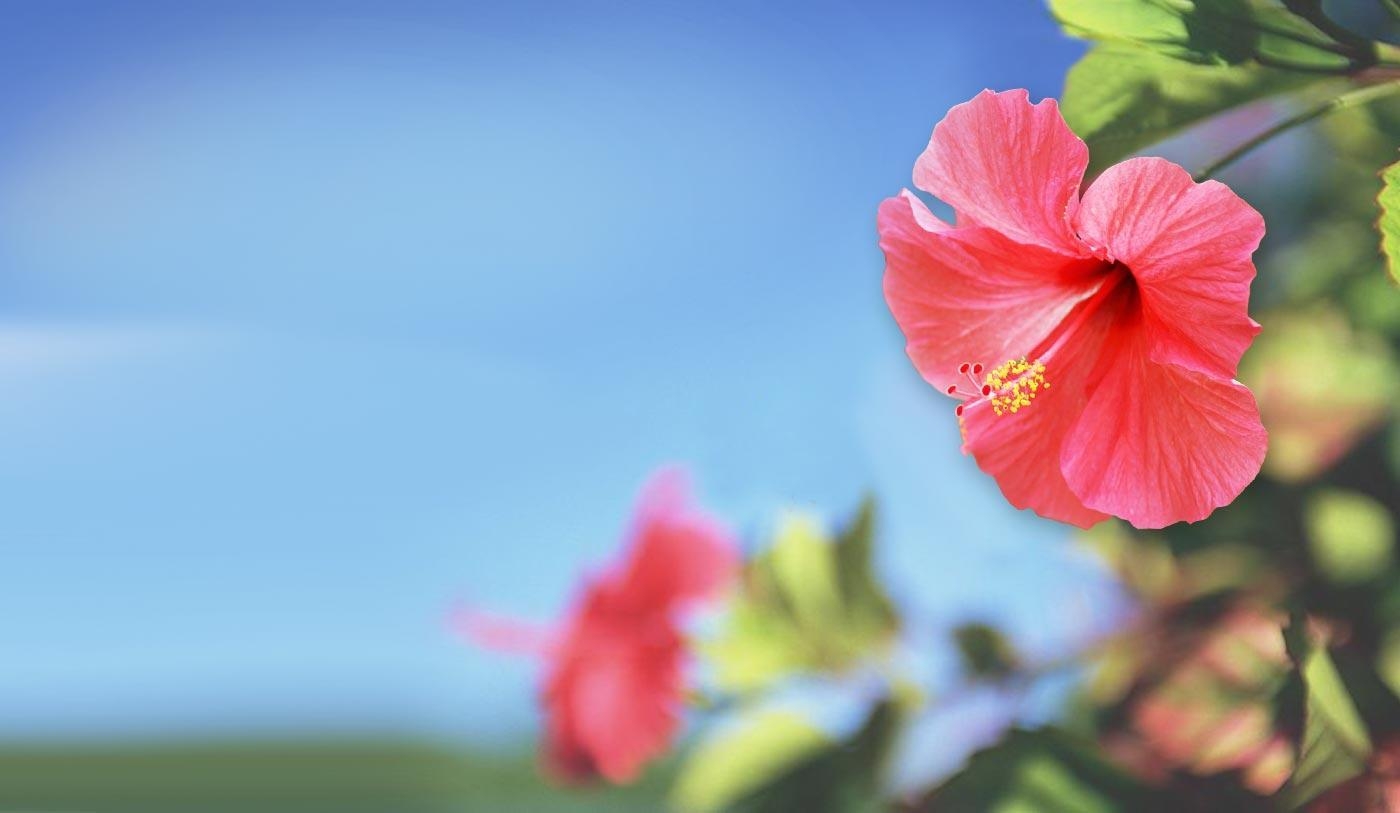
{"x": 314, "y": 321}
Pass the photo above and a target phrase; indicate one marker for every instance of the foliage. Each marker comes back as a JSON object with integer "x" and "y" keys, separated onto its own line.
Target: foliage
{"x": 1210, "y": 32}
{"x": 1210, "y": 698}
{"x": 844, "y": 777}
{"x": 807, "y": 604}
{"x": 1121, "y": 98}
{"x": 1046, "y": 770}
{"x": 1335, "y": 745}
{"x": 1390, "y": 219}
{"x": 739, "y": 760}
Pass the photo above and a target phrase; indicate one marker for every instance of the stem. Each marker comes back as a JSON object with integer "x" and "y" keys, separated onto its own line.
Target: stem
{"x": 1392, "y": 6}
{"x": 1312, "y": 11}
{"x": 1272, "y": 62}
{"x": 1354, "y": 98}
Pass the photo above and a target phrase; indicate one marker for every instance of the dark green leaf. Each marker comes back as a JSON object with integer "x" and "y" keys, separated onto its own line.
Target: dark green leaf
{"x": 985, "y": 651}
{"x": 861, "y": 591}
{"x": 1047, "y": 771}
{"x": 1120, "y": 98}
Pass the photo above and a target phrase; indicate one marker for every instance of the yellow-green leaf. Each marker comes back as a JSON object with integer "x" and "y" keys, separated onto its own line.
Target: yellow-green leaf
{"x": 1206, "y": 32}
{"x": 1389, "y": 224}
{"x": 1335, "y": 745}
{"x": 739, "y": 760}
{"x": 809, "y": 603}
{"x": 1350, "y": 535}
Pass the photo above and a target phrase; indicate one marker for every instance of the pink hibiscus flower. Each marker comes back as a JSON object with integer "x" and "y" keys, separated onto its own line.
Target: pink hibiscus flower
{"x": 1092, "y": 340}
{"x": 615, "y": 676}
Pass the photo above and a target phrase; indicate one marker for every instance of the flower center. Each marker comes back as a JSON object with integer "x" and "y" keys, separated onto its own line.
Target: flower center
{"x": 1008, "y": 387}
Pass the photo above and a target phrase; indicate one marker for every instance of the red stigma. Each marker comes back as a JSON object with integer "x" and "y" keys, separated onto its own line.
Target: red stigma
{"x": 964, "y": 367}
{"x": 976, "y": 369}
{"x": 986, "y": 389}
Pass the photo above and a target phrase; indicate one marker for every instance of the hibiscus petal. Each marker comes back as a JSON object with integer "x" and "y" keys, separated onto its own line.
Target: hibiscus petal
{"x": 1159, "y": 443}
{"x": 623, "y": 704}
{"x": 971, "y": 294}
{"x": 502, "y": 634}
{"x": 1188, "y": 245}
{"x": 1022, "y": 449}
{"x": 677, "y": 552}
{"x": 1006, "y": 164}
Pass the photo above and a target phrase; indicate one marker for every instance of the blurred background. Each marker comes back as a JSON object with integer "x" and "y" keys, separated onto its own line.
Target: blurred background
{"x": 317, "y": 318}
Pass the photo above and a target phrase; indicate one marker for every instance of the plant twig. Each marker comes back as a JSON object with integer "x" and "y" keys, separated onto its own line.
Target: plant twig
{"x": 1312, "y": 11}
{"x": 1354, "y": 98}
{"x": 1300, "y": 67}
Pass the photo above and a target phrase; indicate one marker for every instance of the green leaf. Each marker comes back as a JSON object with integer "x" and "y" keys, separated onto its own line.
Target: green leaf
{"x": 1350, "y": 535}
{"x": 804, "y": 570}
{"x": 787, "y": 768}
{"x": 1045, "y": 771}
{"x": 738, "y": 761}
{"x": 758, "y": 646}
{"x": 1209, "y": 32}
{"x": 1335, "y": 746}
{"x": 1389, "y": 224}
{"x": 1120, "y": 98}
{"x": 862, "y": 595}
{"x": 985, "y": 651}
{"x": 810, "y": 603}
{"x": 1218, "y": 32}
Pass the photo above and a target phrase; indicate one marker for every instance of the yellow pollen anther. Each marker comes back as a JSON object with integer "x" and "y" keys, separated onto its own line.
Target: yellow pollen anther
{"x": 1013, "y": 384}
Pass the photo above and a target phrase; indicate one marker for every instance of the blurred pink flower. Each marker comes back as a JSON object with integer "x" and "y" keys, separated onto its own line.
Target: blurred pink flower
{"x": 615, "y": 677}
{"x": 1110, "y": 325}
{"x": 1212, "y": 709}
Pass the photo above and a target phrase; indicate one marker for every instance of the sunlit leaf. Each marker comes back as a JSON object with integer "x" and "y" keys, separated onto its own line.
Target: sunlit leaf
{"x": 1350, "y": 535}
{"x": 809, "y": 603}
{"x": 758, "y": 646}
{"x": 739, "y": 760}
{"x": 1041, "y": 771}
{"x": 796, "y": 772}
{"x": 1389, "y": 224}
{"x": 1207, "y": 32}
{"x": 1335, "y": 745}
{"x": 804, "y": 570}
{"x": 1120, "y": 99}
